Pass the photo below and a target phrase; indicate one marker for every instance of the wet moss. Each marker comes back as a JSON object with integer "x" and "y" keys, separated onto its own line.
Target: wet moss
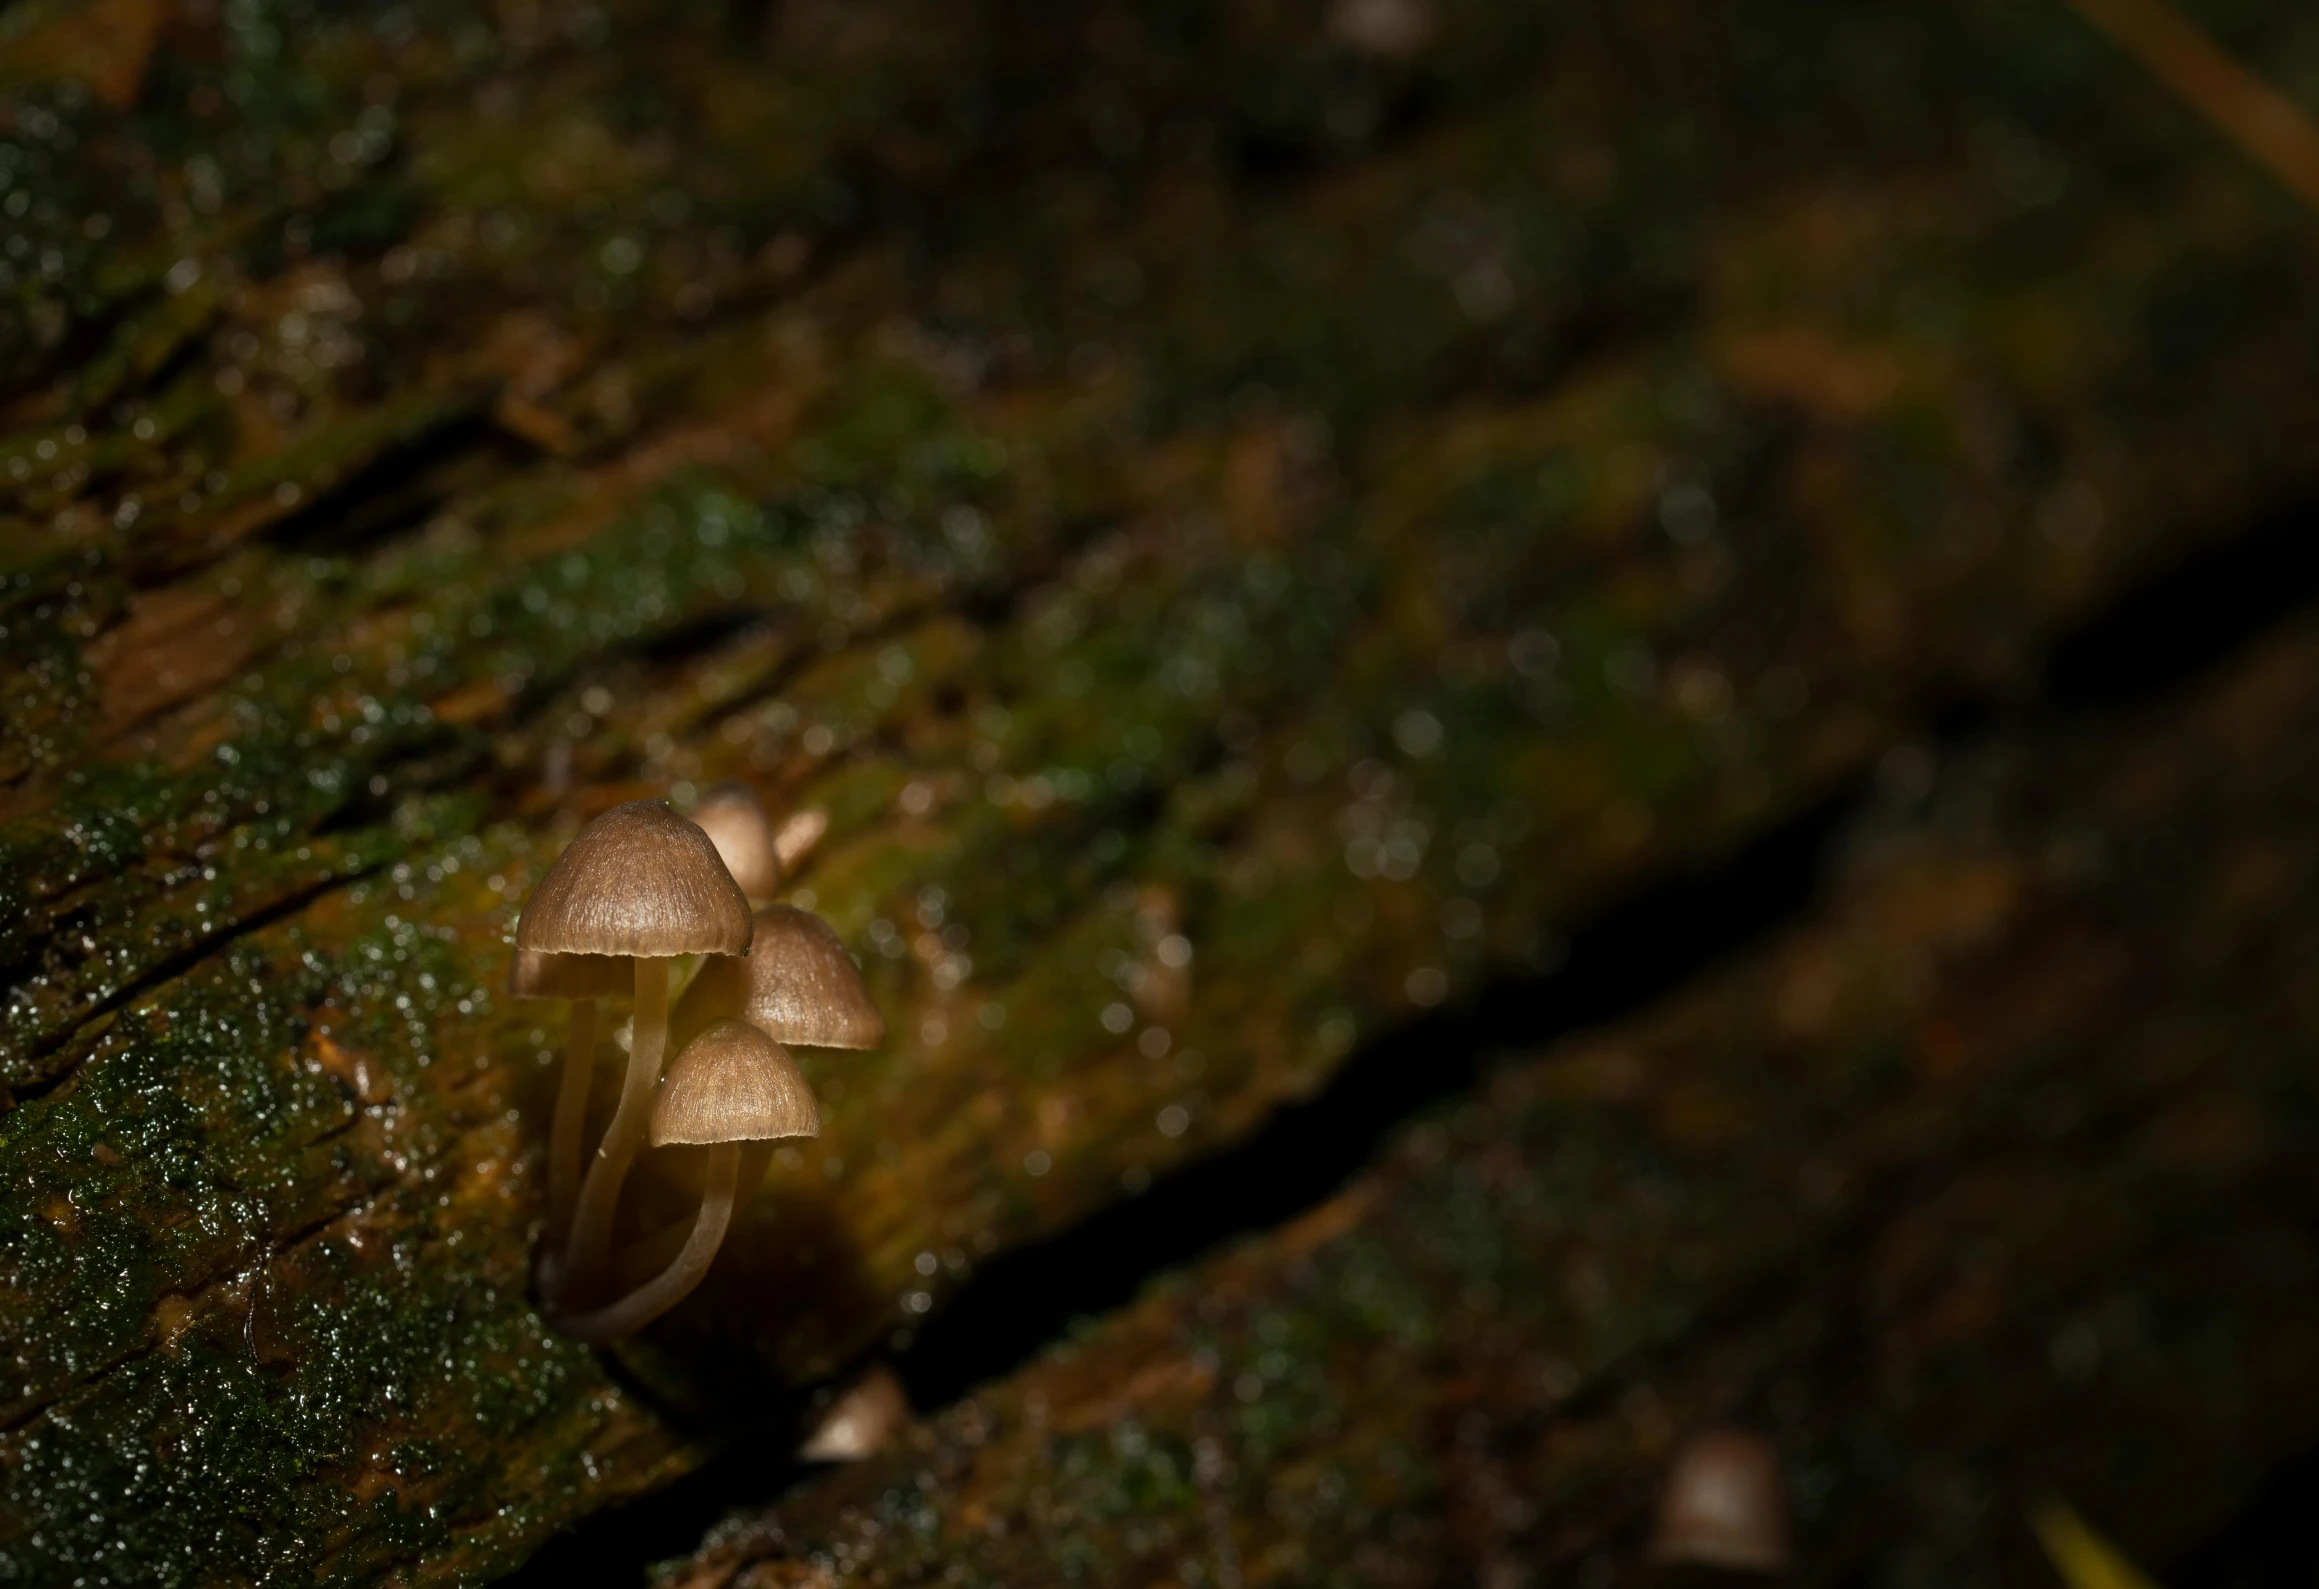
{"x": 250, "y": 1340}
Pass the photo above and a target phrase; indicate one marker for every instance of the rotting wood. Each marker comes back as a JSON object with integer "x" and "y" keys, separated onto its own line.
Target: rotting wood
{"x": 1990, "y": 1183}
{"x": 1345, "y": 514}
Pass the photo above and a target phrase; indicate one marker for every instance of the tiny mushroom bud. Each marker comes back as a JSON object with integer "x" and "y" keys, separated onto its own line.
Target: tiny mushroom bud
{"x": 799, "y": 833}
{"x": 862, "y": 1421}
{"x": 1724, "y": 1506}
{"x": 735, "y": 821}
{"x": 639, "y": 881}
{"x": 582, "y": 979}
{"x": 732, "y": 1084}
{"x": 797, "y": 983}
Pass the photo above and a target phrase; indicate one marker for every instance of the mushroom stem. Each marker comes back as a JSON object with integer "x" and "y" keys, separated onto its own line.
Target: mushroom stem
{"x": 571, "y": 1118}
{"x": 600, "y": 1191}
{"x": 650, "y": 1253}
{"x": 673, "y": 1284}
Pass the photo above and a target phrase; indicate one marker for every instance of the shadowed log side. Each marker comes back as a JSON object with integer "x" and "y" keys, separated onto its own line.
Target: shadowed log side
{"x": 1993, "y": 1181}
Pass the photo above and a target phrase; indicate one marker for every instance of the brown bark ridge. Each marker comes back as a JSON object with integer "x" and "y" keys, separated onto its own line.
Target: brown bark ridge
{"x": 1990, "y": 1183}
{"x": 1251, "y": 519}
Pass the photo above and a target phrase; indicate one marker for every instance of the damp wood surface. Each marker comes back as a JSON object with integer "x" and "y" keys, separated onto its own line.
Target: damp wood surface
{"x": 1253, "y": 520}
{"x": 1990, "y": 1183}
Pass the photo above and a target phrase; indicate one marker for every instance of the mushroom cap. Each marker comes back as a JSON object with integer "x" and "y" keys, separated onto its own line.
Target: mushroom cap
{"x": 1724, "y": 1505}
{"x": 862, "y": 1422}
{"x": 535, "y": 974}
{"x": 639, "y": 880}
{"x": 736, "y": 823}
{"x": 732, "y": 1083}
{"x": 797, "y": 983}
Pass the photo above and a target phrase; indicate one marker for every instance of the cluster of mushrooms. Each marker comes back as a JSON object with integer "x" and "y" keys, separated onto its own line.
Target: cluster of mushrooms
{"x": 637, "y": 890}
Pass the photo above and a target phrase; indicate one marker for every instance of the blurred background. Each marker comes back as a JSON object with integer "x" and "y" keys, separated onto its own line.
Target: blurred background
{"x": 1574, "y": 748}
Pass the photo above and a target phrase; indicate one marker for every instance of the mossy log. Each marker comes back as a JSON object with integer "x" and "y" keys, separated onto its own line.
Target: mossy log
{"x": 1249, "y": 518}
{"x": 1993, "y": 1182}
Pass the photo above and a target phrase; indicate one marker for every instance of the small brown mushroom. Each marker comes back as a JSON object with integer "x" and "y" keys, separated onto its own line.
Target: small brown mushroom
{"x": 1724, "y": 1506}
{"x": 862, "y": 1421}
{"x": 639, "y": 881}
{"x": 799, "y": 833}
{"x": 797, "y": 984}
{"x": 581, "y": 979}
{"x": 732, "y": 1084}
{"x": 806, "y": 992}
{"x": 737, "y": 824}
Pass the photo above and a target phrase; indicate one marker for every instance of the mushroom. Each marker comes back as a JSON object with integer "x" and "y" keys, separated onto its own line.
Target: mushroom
{"x": 1724, "y": 1506}
{"x": 862, "y": 1421}
{"x": 797, "y": 984}
{"x": 736, "y": 823}
{"x": 801, "y": 832}
{"x": 638, "y": 881}
{"x": 732, "y": 1084}
{"x": 581, "y": 979}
